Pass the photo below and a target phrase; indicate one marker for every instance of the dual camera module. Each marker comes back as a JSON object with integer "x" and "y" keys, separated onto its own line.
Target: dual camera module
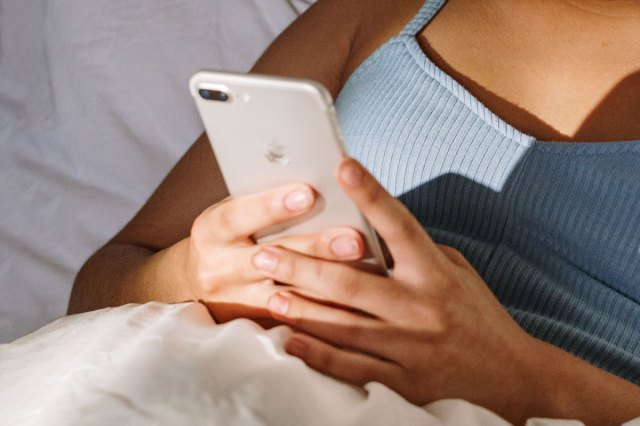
{"x": 213, "y": 95}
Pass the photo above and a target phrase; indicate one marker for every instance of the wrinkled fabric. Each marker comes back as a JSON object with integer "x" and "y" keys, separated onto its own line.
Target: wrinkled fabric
{"x": 171, "y": 364}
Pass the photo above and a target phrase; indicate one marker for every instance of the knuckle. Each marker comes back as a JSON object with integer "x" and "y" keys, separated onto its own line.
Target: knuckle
{"x": 319, "y": 270}
{"x": 287, "y": 268}
{"x": 441, "y": 281}
{"x": 374, "y": 194}
{"x": 326, "y": 361}
{"x": 314, "y": 247}
{"x": 419, "y": 390}
{"x": 453, "y": 254}
{"x": 353, "y": 333}
{"x": 207, "y": 280}
{"x": 200, "y": 269}
{"x": 198, "y": 227}
{"x": 406, "y": 228}
{"x": 217, "y": 217}
{"x": 268, "y": 207}
{"x": 296, "y": 314}
{"x": 210, "y": 276}
{"x": 365, "y": 374}
{"x": 224, "y": 217}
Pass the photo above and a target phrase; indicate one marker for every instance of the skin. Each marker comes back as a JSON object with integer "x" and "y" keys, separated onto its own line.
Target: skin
{"x": 445, "y": 335}
{"x": 508, "y": 54}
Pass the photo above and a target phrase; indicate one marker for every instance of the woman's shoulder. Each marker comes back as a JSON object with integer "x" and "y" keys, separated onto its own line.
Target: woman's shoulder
{"x": 380, "y": 20}
{"x": 330, "y": 40}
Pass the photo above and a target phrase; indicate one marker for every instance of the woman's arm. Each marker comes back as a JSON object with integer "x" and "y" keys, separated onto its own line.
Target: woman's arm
{"x": 568, "y": 387}
{"x": 149, "y": 258}
{"x": 144, "y": 261}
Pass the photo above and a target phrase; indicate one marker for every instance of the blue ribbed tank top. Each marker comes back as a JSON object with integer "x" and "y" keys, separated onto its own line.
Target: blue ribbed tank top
{"x": 553, "y": 228}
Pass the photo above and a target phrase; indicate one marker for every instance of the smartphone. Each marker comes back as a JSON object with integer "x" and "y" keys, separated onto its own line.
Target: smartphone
{"x": 269, "y": 131}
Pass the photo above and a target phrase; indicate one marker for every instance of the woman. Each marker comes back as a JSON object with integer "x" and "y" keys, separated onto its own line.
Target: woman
{"x": 503, "y": 243}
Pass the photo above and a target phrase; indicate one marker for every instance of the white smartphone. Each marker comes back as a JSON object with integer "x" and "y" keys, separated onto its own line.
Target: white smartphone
{"x": 269, "y": 131}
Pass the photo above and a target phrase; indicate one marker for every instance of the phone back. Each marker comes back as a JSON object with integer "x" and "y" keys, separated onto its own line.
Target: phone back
{"x": 269, "y": 131}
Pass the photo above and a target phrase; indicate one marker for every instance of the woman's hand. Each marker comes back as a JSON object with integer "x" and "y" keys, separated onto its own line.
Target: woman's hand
{"x": 434, "y": 330}
{"x": 219, "y": 260}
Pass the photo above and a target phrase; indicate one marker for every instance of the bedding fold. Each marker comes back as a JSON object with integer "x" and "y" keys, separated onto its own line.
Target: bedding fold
{"x": 171, "y": 364}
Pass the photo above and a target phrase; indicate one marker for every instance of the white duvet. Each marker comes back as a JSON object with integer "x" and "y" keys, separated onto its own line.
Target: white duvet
{"x": 158, "y": 364}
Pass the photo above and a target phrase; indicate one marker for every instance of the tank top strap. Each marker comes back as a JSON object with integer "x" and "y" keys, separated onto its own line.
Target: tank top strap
{"x": 424, "y": 15}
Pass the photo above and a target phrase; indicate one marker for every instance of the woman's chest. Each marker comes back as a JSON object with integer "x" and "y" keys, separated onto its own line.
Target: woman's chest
{"x": 461, "y": 169}
{"x": 548, "y": 74}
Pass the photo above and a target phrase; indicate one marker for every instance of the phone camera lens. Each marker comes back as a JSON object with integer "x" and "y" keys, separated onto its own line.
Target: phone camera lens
{"x": 213, "y": 95}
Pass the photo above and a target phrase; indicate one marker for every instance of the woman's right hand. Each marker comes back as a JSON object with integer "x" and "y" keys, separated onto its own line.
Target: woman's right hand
{"x": 219, "y": 265}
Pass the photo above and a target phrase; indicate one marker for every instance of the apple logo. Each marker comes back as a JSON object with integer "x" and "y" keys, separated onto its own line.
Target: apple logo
{"x": 275, "y": 153}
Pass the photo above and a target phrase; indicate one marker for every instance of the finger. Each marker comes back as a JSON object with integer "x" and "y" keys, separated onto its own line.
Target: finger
{"x": 337, "y": 282}
{"x": 352, "y": 367}
{"x": 239, "y": 218}
{"x": 393, "y": 221}
{"x": 234, "y": 266}
{"x": 336, "y": 326}
{"x": 243, "y": 301}
{"x": 339, "y": 244}
{"x": 222, "y": 269}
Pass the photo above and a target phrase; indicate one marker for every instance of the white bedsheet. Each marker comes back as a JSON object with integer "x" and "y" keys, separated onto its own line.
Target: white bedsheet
{"x": 170, "y": 364}
{"x": 94, "y": 111}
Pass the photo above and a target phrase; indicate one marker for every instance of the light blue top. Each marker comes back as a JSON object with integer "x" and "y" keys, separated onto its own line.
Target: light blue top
{"x": 554, "y": 228}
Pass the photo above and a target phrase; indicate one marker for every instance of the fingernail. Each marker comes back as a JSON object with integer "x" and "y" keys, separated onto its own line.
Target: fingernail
{"x": 345, "y": 246}
{"x": 297, "y": 347}
{"x": 351, "y": 175}
{"x": 278, "y": 304}
{"x": 298, "y": 200}
{"x": 265, "y": 261}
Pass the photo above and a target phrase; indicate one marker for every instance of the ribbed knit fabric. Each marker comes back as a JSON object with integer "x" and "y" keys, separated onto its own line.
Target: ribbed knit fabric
{"x": 554, "y": 228}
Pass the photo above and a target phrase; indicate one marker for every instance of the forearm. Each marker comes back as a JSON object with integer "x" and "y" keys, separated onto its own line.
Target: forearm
{"x": 122, "y": 273}
{"x": 563, "y": 386}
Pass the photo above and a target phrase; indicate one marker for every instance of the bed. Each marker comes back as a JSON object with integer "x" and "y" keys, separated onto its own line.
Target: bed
{"x": 94, "y": 111}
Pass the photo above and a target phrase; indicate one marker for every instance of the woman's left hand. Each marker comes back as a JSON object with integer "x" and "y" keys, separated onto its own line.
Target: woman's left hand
{"x": 434, "y": 330}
